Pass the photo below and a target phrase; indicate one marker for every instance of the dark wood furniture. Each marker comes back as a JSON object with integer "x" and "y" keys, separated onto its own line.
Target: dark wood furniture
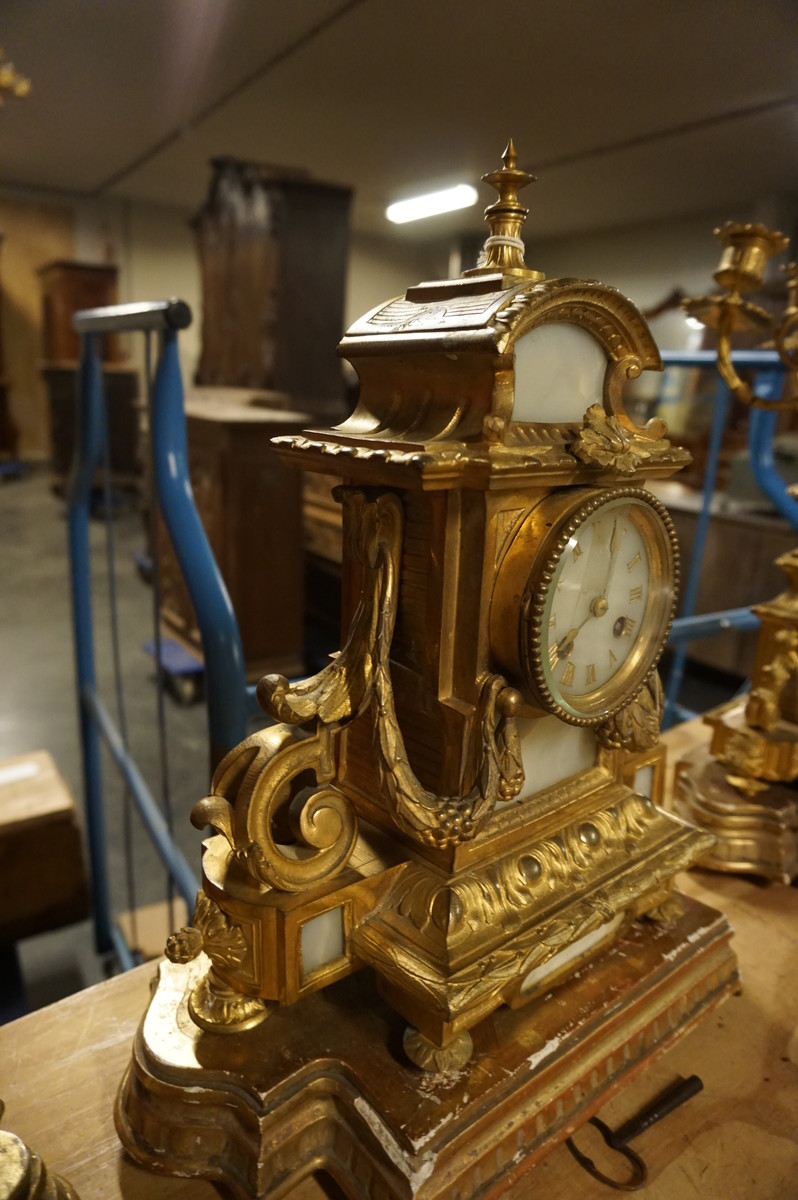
{"x": 121, "y": 386}
{"x": 68, "y": 287}
{"x": 273, "y": 253}
{"x": 249, "y": 504}
{"x": 738, "y": 570}
{"x": 9, "y": 434}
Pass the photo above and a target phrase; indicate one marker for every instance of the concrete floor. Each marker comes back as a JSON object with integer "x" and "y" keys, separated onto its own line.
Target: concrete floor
{"x": 38, "y": 709}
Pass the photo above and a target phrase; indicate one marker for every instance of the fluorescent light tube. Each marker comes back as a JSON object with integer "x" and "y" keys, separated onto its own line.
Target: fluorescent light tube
{"x": 462, "y": 196}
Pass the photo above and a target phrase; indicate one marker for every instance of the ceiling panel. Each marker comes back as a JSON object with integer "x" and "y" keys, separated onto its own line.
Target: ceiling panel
{"x": 628, "y": 111}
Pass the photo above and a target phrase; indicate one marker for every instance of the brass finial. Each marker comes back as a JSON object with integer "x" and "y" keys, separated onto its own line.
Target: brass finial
{"x": 504, "y": 250}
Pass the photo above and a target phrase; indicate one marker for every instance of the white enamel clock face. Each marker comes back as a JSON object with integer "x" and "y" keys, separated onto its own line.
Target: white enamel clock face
{"x": 603, "y": 606}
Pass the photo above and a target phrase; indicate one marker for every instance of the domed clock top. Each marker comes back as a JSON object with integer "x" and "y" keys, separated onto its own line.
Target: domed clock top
{"x": 488, "y": 365}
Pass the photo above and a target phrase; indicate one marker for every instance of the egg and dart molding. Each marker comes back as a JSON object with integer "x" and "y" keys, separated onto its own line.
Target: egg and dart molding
{"x": 438, "y": 925}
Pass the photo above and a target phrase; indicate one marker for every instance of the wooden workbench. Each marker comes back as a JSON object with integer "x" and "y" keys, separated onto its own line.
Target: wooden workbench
{"x": 737, "y": 1140}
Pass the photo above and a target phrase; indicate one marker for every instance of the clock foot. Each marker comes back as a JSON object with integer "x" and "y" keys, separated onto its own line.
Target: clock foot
{"x": 425, "y": 1054}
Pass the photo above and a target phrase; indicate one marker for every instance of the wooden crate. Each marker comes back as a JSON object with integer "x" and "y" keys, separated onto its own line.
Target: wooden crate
{"x": 42, "y": 876}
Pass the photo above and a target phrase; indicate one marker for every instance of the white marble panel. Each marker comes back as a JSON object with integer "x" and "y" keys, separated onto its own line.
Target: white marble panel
{"x": 559, "y": 373}
{"x": 552, "y": 751}
{"x": 576, "y": 949}
{"x": 322, "y": 940}
{"x": 644, "y": 780}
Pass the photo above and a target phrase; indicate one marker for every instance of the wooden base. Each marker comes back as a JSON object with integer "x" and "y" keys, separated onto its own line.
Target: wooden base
{"x": 754, "y": 833}
{"x": 324, "y": 1084}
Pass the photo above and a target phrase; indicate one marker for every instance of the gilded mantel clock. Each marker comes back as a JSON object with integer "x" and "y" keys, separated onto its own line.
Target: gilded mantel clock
{"x": 461, "y": 809}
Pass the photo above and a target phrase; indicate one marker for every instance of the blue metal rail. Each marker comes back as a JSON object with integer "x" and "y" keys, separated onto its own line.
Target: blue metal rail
{"x": 230, "y": 701}
{"x": 761, "y": 429}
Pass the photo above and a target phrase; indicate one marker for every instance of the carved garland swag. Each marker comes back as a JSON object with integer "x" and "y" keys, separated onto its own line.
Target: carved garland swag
{"x": 252, "y": 791}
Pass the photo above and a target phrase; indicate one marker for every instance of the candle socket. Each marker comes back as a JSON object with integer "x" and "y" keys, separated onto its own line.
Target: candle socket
{"x": 746, "y": 251}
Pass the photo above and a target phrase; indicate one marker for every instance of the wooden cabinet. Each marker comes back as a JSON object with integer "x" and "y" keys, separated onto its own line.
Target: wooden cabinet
{"x": 273, "y": 254}
{"x": 121, "y": 387}
{"x": 68, "y": 287}
{"x": 8, "y": 428}
{"x": 738, "y": 570}
{"x": 42, "y": 878}
{"x": 249, "y": 504}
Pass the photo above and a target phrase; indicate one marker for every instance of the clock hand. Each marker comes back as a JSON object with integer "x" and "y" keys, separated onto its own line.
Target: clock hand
{"x": 598, "y": 607}
{"x": 591, "y": 584}
{"x": 615, "y": 545}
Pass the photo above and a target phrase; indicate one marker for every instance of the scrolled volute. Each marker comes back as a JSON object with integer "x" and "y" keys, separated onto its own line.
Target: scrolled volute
{"x": 291, "y": 836}
{"x": 284, "y": 833}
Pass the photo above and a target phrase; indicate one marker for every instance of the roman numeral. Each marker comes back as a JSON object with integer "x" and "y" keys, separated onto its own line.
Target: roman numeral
{"x": 636, "y": 593}
{"x": 628, "y": 626}
{"x": 632, "y": 563}
{"x": 568, "y": 675}
{"x": 577, "y": 551}
{"x": 553, "y": 655}
{"x": 590, "y": 673}
{"x": 613, "y": 660}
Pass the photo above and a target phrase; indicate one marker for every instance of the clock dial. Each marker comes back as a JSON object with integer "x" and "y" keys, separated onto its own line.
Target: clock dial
{"x": 600, "y": 602}
{"x": 596, "y": 601}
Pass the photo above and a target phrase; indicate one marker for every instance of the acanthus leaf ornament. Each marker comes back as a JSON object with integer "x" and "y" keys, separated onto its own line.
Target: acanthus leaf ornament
{"x": 211, "y": 931}
{"x": 636, "y": 727}
{"x": 604, "y": 442}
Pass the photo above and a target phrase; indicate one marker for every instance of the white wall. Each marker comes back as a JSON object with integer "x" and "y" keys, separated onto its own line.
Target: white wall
{"x": 154, "y": 249}
{"x": 380, "y": 270}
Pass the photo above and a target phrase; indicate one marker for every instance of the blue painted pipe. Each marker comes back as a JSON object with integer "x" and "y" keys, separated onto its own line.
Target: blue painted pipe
{"x": 227, "y": 700}
{"x": 690, "y": 592}
{"x": 686, "y": 629}
{"x": 174, "y": 860}
{"x": 88, "y": 453}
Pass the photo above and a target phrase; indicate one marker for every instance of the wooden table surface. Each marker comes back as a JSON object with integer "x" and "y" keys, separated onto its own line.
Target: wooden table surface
{"x": 737, "y": 1140}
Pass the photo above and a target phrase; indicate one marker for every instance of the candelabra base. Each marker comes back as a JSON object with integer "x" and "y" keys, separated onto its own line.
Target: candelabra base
{"x": 324, "y": 1084}
{"x": 755, "y": 824}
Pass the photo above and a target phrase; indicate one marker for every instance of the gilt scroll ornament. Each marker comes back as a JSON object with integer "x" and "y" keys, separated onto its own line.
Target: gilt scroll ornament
{"x": 254, "y": 781}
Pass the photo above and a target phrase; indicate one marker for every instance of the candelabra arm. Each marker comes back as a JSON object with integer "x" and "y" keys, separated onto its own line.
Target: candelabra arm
{"x": 746, "y": 251}
{"x": 737, "y": 386}
{"x": 787, "y": 345}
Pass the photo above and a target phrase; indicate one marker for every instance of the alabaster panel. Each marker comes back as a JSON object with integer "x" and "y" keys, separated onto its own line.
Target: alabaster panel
{"x": 559, "y": 373}
{"x": 551, "y": 752}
